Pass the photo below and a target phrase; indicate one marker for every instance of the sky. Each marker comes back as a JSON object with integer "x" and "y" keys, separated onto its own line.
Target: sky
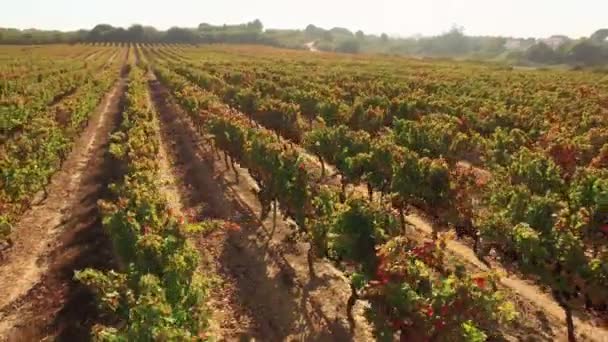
{"x": 514, "y": 18}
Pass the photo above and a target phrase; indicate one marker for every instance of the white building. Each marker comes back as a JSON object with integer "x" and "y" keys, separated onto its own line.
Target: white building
{"x": 513, "y": 44}
{"x": 555, "y": 41}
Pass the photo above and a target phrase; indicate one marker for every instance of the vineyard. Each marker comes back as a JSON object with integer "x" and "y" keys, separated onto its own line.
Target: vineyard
{"x": 172, "y": 192}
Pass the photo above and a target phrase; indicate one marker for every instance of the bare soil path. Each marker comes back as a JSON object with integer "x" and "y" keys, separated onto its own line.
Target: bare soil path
{"x": 311, "y": 46}
{"x": 91, "y": 55}
{"x": 62, "y": 234}
{"x": 266, "y": 292}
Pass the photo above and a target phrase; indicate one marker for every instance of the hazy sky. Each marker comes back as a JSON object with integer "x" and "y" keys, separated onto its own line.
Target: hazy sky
{"x": 521, "y": 18}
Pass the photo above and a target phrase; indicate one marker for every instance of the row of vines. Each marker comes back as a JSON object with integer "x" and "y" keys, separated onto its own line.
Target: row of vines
{"x": 39, "y": 121}
{"x": 417, "y": 292}
{"x": 520, "y": 172}
{"x": 159, "y": 294}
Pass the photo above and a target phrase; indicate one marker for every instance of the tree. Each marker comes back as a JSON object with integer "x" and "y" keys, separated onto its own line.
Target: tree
{"x": 340, "y": 31}
{"x": 118, "y": 35}
{"x": 541, "y": 53}
{"x": 455, "y": 40}
{"x": 181, "y": 35}
{"x": 328, "y": 36}
{"x": 255, "y": 26}
{"x": 349, "y": 46}
{"x": 314, "y": 32}
{"x": 585, "y": 53}
{"x": 204, "y": 26}
{"x": 310, "y": 28}
{"x": 151, "y": 34}
{"x": 360, "y": 35}
{"x": 492, "y": 45}
{"x": 384, "y": 37}
{"x": 599, "y": 36}
{"x": 450, "y": 43}
{"x": 100, "y": 32}
{"x": 136, "y": 33}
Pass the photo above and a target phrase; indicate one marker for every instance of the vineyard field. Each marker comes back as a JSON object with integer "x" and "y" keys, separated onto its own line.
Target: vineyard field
{"x": 178, "y": 192}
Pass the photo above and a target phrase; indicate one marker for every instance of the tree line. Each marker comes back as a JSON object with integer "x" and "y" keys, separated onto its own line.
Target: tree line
{"x": 454, "y": 43}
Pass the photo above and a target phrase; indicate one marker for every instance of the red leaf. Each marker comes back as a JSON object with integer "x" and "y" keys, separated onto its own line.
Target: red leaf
{"x": 480, "y": 282}
{"x": 439, "y": 325}
{"x": 382, "y": 276}
{"x": 232, "y": 226}
{"x": 429, "y": 311}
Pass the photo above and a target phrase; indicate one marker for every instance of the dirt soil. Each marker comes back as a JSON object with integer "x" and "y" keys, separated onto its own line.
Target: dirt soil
{"x": 311, "y": 46}
{"x": 266, "y": 292}
{"x": 40, "y": 300}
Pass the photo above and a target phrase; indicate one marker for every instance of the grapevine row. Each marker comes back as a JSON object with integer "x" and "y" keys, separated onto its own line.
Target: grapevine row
{"x": 19, "y": 105}
{"x": 159, "y": 294}
{"x": 363, "y": 237}
{"x": 30, "y": 158}
{"x": 528, "y": 211}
